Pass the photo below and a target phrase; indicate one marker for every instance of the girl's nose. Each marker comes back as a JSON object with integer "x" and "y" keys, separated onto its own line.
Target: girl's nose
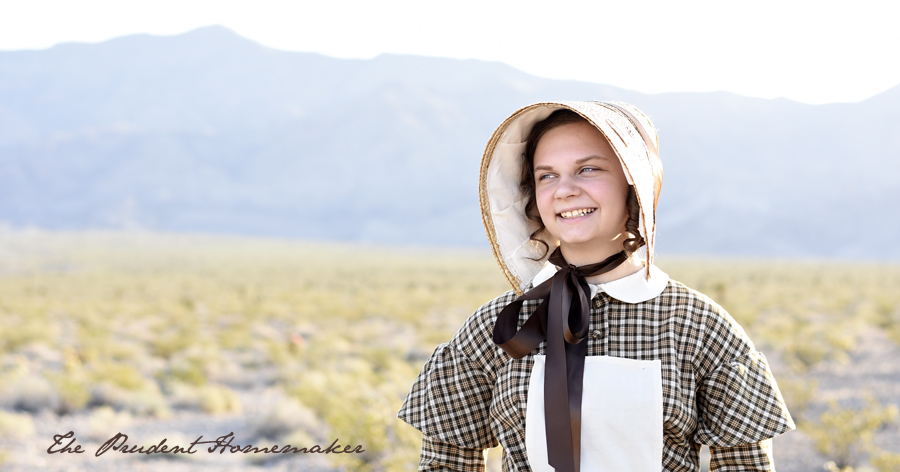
{"x": 567, "y": 187}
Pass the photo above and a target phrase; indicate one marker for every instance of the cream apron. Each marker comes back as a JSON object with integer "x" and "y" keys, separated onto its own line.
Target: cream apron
{"x": 621, "y": 416}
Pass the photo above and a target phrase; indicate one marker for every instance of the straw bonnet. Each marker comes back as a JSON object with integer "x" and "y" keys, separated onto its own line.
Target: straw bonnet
{"x": 630, "y": 134}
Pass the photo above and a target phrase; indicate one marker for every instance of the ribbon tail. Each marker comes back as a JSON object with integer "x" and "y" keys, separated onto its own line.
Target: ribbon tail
{"x": 575, "y": 355}
{"x": 557, "y": 416}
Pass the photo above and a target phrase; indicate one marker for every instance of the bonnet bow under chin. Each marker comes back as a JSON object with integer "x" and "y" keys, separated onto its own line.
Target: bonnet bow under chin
{"x": 563, "y": 318}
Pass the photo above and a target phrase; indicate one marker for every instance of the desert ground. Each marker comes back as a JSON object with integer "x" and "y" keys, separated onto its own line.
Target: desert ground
{"x": 163, "y": 336}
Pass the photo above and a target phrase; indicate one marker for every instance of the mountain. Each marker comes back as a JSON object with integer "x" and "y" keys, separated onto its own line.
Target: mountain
{"x": 211, "y": 132}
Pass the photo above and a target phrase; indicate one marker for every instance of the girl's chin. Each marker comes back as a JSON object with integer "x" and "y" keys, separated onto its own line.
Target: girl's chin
{"x": 589, "y": 244}
{"x": 589, "y": 238}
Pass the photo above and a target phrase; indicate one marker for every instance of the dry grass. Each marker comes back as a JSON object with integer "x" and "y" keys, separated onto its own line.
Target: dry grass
{"x": 141, "y": 325}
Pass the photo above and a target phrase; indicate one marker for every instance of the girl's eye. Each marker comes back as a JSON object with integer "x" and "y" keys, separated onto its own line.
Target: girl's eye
{"x": 544, "y": 176}
{"x": 590, "y": 169}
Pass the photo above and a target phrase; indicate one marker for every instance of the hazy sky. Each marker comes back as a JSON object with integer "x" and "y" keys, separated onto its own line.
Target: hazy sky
{"x": 811, "y": 51}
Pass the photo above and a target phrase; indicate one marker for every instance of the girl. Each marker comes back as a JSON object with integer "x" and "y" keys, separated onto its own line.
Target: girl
{"x": 596, "y": 360}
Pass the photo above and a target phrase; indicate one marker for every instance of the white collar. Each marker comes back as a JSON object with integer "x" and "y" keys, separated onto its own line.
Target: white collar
{"x": 634, "y": 288}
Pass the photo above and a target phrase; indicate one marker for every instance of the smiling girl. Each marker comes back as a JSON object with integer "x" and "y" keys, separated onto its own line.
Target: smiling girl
{"x": 596, "y": 360}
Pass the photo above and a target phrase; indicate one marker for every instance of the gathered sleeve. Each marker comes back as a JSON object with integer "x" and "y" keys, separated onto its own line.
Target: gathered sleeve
{"x": 740, "y": 407}
{"x": 746, "y": 457}
{"x": 451, "y": 398}
{"x": 450, "y": 401}
{"x": 438, "y": 456}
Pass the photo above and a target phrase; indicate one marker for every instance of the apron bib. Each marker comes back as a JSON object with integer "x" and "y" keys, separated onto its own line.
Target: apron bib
{"x": 621, "y": 416}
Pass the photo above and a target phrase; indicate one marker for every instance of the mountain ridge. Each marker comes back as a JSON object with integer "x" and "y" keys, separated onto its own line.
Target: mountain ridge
{"x": 209, "y": 131}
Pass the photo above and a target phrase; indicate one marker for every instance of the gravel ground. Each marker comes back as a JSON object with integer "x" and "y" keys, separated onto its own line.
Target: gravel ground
{"x": 873, "y": 368}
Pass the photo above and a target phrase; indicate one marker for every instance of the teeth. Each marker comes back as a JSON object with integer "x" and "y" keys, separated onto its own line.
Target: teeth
{"x": 576, "y": 213}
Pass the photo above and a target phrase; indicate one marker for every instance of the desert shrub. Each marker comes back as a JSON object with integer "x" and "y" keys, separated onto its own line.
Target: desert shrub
{"x": 146, "y": 401}
{"x": 189, "y": 373}
{"x": 230, "y": 372}
{"x": 30, "y": 393}
{"x": 210, "y": 398}
{"x": 72, "y": 384}
{"x": 843, "y": 433}
{"x": 14, "y": 425}
{"x": 18, "y": 332}
{"x": 809, "y": 343}
{"x": 120, "y": 375}
{"x": 190, "y": 366}
{"x": 105, "y": 422}
{"x": 300, "y": 438}
{"x": 359, "y": 406}
{"x": 798, "y": 393}
{"x": 170, "y": 342}
{"x": 885, "y": 313}
{"x": 218, "y": 399}
{"x": 279, "y": 351}
{"x": 831, "y": 466}
{"x": 885, "y": 461}
{"x": 284, "y": 417}
{"x": 73, "y": 391}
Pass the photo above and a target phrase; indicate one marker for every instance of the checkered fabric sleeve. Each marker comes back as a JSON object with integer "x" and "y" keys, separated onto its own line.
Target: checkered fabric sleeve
{"x": 451, "y": 398}
{"x": 746, "y": 457}
{"x": 444, "y": 457}
{"x": 739, "y": 404}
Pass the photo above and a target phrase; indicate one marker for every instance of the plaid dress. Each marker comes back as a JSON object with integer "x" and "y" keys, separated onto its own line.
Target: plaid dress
{"x": 717, "y": 389}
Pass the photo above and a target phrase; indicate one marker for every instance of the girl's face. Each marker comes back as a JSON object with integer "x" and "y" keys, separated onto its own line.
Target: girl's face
{"x": 581, "y": 192}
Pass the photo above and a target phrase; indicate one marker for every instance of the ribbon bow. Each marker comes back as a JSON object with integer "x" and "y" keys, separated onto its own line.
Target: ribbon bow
{"x": 563, "y": 319}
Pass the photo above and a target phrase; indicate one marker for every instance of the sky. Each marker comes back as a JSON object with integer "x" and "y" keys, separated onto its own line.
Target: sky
{"x": 818, "y": 51}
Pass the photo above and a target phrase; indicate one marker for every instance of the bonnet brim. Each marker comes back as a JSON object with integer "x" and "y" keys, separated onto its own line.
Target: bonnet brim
{"x": 502, "y": 201}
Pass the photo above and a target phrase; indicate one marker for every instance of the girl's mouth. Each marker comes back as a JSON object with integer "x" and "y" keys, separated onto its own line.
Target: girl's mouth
{"x": 576, "y": 213}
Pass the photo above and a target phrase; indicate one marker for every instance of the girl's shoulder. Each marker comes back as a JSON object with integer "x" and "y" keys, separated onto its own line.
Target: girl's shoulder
{"x": 681, "y": 293}
{"x": 475, "y": 338}
{"x": 716, "y": 336}
{"x": 485, "y": 316}
{"x": 681, "y": 299}
{"x": 487, "y": 313}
